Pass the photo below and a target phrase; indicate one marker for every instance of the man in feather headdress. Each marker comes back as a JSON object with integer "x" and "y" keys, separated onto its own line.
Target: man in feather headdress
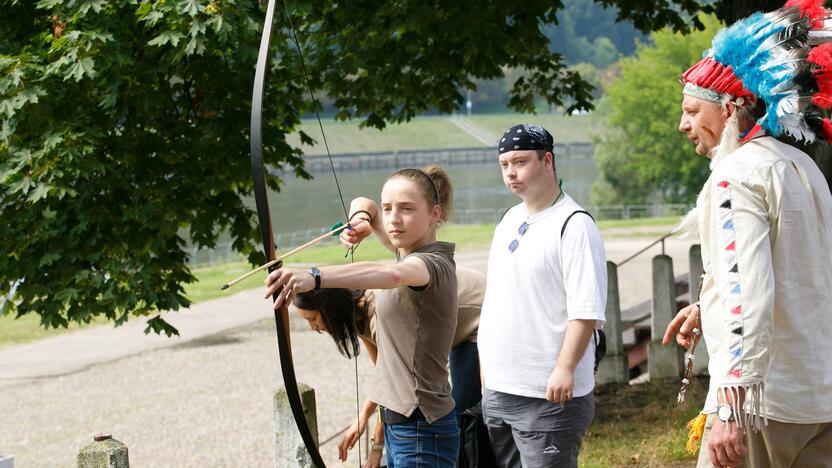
{"x": 764, "y": 218}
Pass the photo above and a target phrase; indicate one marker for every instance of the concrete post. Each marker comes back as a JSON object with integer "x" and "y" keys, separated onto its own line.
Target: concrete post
{"x": 6, "y": 461}
{"x": 289, "y": 449}
{"x": 663, "y": 361}
{"x": 614, "y": 366}
{"x": 700, "y": 364}
{"x": 695, "y": 262}
{"x": 103, "y": 452}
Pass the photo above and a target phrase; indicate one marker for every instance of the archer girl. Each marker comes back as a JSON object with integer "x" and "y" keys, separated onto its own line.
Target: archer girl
{"x": 348, "y": 315}
{"x": 416, "y": 313}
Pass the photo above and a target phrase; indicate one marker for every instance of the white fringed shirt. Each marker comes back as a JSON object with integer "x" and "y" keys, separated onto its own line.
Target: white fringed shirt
{"x": 765, "y": 221}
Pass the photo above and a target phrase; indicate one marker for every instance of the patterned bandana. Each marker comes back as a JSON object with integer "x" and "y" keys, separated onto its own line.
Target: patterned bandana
{"x": 703, "y": 93}
{"x": 526, "y": 137}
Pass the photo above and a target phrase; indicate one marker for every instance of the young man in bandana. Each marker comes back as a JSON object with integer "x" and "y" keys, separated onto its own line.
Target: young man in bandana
{"x": 764, "y": 218}
{"x": 545, "y": 294}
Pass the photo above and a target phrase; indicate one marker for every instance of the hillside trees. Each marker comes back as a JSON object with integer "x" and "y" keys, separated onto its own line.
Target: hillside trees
{"x": 640, "y": 152}
{"x": 641, "y": 155}
{"x": 125, "y": 122}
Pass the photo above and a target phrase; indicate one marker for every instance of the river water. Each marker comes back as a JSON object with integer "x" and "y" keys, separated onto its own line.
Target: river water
{"x": 311, "y": 204}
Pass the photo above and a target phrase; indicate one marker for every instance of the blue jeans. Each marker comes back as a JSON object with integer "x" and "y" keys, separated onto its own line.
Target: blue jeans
{"x": 418, "y": 444}
{"x": 465, "y": 376}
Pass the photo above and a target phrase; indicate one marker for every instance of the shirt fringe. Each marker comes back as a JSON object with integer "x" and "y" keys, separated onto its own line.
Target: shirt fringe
{"x": 753, "y": 411}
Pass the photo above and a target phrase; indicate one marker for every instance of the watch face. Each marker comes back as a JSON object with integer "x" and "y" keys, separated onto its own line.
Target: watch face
{"x": 315, "y": 271}
{"x": 723, "y": 412}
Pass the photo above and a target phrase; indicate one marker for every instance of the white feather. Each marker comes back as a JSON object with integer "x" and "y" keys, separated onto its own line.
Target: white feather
{"x": 793, "y": 104}
{"x": 785, "y": 87}
{"x": 780, "y": 57}
{"x": 819, "y": 37}
{"x": 763, "y": 32}
{"x": 795, "y": 126}
{"x": 780, "y": 75}
{"x": 820, "y": 33}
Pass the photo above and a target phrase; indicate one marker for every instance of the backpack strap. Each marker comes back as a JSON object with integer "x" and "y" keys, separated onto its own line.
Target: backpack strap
{"x": 599, "y": 338}
{"x": 563, "y": 229}
{"x": 503, "y": 215}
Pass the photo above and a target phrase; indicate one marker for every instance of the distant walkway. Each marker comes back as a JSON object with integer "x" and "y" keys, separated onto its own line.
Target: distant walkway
{"x": 485, "y": 137}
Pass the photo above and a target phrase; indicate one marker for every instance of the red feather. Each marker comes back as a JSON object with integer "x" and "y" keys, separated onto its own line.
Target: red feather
{"x": 710, "y": 74}
{"x": 827, "y": 129}
{"x": 821, "y": 56}
{"x": 756, "y": 128}
{"x": 812, "y": 8}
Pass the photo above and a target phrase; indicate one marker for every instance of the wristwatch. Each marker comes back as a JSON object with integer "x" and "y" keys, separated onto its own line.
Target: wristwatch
{"x": 725, "y": 413}
{"x": 316, "y": 273}
{"x": 374, "y": 446}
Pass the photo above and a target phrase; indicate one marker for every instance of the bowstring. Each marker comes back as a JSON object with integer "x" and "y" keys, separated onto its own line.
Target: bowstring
{"x": 351, "y": 251}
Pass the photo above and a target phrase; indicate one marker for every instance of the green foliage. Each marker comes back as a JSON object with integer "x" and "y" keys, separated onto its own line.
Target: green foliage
{"x": 112, "y": 113}
{"x": 587, "y": 32}
{"x": 641, "y": 154}
{"x": 124, "y": 123}
{"x": 387, "y": 61}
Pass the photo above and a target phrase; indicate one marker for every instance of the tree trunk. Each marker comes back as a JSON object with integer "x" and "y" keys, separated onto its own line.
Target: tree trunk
{"x": 730, "y": 11}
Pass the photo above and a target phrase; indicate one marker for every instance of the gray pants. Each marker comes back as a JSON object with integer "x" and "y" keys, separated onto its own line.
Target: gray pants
{"x": 533, "y": 432}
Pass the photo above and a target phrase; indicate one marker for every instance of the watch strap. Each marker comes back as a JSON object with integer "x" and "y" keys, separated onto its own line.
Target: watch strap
{"x": 316, "y": 273}
{"x": 376, "y": 446}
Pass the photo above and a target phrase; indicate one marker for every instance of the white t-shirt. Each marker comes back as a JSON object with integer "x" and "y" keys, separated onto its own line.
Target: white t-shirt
{"x": 532, "y": 293}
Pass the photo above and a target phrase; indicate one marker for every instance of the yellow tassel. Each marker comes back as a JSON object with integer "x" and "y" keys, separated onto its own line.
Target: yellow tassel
{"x": 696, "y": 427}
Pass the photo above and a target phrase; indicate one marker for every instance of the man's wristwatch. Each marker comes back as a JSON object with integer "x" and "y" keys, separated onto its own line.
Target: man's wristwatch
{"x": 316, "y": 273}
{"x": 725, "y": 413}
{"x": 374, "y": 446}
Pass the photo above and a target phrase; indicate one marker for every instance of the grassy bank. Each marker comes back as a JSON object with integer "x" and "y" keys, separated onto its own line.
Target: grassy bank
{"x": 467, "y": 237}
{"x": 642, "y": 425}
{"x": 27, "y": 328}
{"x": 432, "y": 132}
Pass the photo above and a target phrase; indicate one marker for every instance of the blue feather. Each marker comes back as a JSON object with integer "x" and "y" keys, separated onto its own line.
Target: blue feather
{"x": 740, "y": 47}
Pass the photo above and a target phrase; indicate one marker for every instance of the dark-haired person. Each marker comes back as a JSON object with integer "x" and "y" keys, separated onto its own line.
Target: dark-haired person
{"x": 416, "y": 312}
{"x": 546, "y": 293}
{"x": 331, "y": 311}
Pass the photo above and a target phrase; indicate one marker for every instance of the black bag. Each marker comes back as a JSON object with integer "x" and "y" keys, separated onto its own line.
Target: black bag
{"x": 598, "y": 335}
{"x": 600, "y": 347}
{"x": 474, "y": 445}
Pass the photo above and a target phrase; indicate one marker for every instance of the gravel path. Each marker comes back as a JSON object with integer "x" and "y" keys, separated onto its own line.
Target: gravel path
{"x": 208, "y": 401}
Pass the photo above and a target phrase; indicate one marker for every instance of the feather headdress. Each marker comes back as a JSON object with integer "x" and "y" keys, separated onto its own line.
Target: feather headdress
{"x": 783, "y": 58}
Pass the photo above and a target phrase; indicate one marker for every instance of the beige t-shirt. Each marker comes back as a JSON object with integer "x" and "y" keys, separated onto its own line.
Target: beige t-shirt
{"x": 414, "y": 332}
{"x": 470, "y": 291}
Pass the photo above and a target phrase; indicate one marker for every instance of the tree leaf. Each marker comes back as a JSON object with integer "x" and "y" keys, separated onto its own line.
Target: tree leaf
{"x": 81, "y": 68}
{"x": 167, "y": 37}
{"x": 189, "y": 7}
{"x": 158, "y": 325}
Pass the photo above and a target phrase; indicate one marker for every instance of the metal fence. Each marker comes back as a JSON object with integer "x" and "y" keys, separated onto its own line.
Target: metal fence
{"x": 224, "y": 252}
{"x": 415, "y": 158}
